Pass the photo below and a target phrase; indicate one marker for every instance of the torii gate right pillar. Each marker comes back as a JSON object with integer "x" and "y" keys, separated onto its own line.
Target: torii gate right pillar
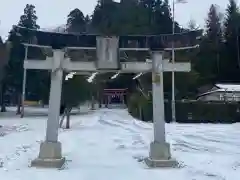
{"x": 159, "y": 155}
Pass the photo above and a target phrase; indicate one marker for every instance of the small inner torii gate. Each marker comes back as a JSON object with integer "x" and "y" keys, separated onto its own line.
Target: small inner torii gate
{"x": 109, "y": 94}
{"x": 107, "y": 49}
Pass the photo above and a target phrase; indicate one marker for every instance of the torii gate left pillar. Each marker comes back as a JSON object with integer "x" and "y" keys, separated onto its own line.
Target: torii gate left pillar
{"x": 50, "y": 154}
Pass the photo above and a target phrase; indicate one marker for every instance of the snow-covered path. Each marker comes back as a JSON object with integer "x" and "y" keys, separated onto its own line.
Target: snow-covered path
{"x": 110, "y": 144}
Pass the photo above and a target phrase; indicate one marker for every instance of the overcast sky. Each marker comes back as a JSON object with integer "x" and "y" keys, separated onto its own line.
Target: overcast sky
{"x": 52, "y": 13}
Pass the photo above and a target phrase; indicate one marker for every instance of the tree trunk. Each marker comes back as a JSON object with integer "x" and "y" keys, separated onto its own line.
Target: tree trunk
{"x": 63, "y": 112}
{"x": 140, "y": 112}
{"x": 100, "y": 104}
{"x": 68, "y": 120}
{"x": 99, "y": 100}
{"x": 19, "y": 98}
{"x": 61, "y": 121}
{"x": 92, "y": 103}
{"x": 68, "y": 111}
{"x": 2, "y": 101}
{"x": 67, "y": 115}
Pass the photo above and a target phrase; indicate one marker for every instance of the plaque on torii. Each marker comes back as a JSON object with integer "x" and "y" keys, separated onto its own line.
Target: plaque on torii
{"x": 105, "y": 53}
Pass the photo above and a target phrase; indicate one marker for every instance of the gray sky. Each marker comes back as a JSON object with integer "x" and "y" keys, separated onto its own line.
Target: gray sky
{"x": 52, "y": 13}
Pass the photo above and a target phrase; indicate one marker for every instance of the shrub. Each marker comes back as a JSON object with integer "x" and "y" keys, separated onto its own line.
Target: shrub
{"x": 188, "y": 111}
{"x": 140, "y": 107}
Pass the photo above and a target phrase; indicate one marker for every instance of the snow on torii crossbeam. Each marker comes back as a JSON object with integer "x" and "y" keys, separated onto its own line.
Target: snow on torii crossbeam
{"x": 107, "y": 50}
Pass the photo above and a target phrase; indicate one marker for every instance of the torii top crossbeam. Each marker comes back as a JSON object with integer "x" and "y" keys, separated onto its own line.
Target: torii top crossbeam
{"x": 144, "y": 42}
{"x": 102, "y": 53}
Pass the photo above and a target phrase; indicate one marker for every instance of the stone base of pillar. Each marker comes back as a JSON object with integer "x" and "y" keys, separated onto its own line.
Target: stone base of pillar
{"x": 160, "y": 156}
{"x": 50, "y": 156}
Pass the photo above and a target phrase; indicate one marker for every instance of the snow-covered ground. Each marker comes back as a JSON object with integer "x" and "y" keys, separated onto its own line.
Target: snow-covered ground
{"x": 110, "y": 145}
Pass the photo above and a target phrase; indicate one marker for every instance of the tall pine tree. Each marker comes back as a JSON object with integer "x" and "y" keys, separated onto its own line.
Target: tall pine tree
{"x": 76, "y": 21}
{"x": 231, "y": 63}
{"x": 76, "y": 90}
{"x": 105, "y": 17}
{"x": 15, "y": 64}
{"x": 207, "y": 61}
{"x": 29, "y": 18}
{"x": 4, "y": 56}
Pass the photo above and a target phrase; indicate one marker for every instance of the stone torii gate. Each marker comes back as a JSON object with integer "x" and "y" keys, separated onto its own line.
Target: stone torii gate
{"x": 107, "y": 50}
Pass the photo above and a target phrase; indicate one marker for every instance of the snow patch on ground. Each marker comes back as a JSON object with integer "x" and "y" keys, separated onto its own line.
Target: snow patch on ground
{"x": 110, "y": 144}
{"x": 4, "y": 130}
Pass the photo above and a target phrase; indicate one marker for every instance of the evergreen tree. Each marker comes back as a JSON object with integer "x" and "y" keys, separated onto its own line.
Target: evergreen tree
{"x": 76, "y": 90}
{"x": 192, "y": 25}
{"x": 162, "y": 15}
{"x": 208, "y": 58}
{"x": 134, "y": 20}
{"x": 1, "y": 59}
{"x": 29, "y": 18}
{"x": 232, "y": 16}
{"x": 105, "y": 17}
{"x": 88, "y": 24}
{"x": 4, "y": 55}
{"x": 215, "y": 38}
{"x": 15, "y": 63}
{"x": 149, "y": 6}
{"x": 231, "y": 63}
{"x": 76, "y": 21}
